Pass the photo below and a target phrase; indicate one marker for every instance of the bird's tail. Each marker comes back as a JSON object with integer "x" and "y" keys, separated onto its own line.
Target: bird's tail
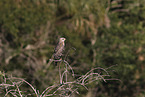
{"x": 55, "y": 63}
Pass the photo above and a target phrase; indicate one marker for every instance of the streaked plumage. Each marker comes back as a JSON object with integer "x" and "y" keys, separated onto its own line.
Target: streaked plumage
{"x": 58, "y": 52}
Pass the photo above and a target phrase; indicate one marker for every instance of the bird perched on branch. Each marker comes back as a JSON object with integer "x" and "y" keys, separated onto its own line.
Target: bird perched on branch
{"x": 58, "y": 52}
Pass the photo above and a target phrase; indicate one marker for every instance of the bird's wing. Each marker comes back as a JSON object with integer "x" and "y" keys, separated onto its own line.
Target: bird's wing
{"x": 58, "y": 47}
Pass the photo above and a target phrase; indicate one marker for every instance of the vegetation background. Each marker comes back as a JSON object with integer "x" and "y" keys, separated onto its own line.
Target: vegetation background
{"x": 99, "y": 33}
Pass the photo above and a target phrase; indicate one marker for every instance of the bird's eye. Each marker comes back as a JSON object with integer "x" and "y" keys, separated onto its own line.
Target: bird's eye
{"x": 63, "y": 39}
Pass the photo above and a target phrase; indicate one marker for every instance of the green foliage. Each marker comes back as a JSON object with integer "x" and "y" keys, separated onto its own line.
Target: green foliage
{"x": 21, "y": 20}
{"x": 98, "y": 33}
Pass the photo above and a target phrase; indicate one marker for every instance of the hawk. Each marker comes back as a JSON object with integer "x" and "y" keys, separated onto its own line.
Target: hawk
{"x": 58, "y": 52}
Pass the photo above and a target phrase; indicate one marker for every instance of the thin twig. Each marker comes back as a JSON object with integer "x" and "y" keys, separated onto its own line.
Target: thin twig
{"x": 18, "y": 90}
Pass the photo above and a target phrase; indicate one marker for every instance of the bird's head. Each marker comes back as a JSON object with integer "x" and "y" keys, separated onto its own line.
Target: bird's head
{"x": 62, "y": 39}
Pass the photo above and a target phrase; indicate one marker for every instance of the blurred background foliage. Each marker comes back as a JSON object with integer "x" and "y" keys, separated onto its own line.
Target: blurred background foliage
{"x": 98, "y": 33}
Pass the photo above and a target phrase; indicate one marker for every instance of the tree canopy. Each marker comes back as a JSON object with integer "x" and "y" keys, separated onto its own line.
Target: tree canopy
{"x": 99, "y": 33}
